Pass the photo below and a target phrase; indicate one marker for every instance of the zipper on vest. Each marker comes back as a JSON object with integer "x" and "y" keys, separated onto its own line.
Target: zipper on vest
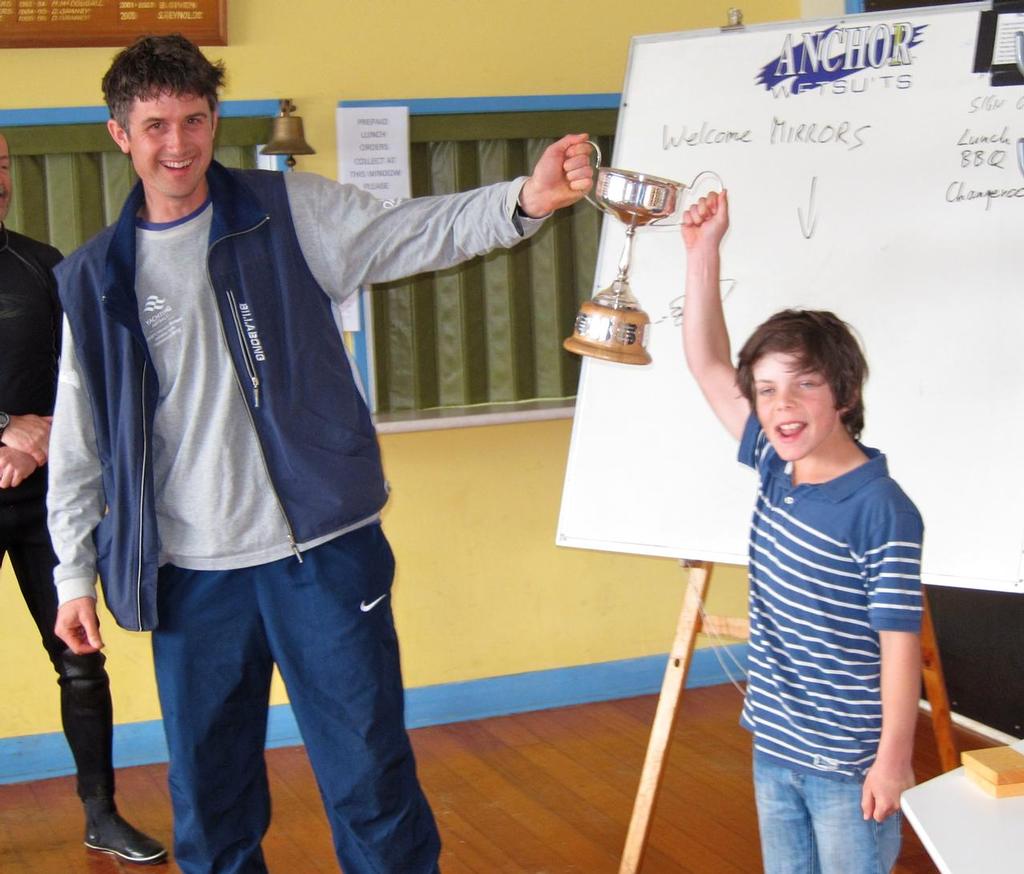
{"x": 238, "y": 382}
{"x": 250, "y": 364}
{"x": 142, "y": 498}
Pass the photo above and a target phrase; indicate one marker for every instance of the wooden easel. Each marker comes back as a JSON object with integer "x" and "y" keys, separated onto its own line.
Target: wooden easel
{"x": 691, "y": 623}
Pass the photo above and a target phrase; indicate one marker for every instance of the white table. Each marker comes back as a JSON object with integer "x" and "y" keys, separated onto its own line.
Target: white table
{"x": 964, "y": 829}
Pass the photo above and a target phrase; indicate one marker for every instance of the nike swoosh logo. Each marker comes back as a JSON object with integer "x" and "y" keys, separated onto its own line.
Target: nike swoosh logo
{"x": 366, "y": 608}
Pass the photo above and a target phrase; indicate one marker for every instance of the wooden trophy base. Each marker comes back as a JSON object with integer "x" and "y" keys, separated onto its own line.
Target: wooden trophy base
{"x": 610, "y": 334}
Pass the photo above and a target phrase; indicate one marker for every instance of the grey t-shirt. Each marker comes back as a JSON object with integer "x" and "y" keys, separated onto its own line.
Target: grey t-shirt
{"x": 215, "y": 505}
{"x": 206, "y": 520}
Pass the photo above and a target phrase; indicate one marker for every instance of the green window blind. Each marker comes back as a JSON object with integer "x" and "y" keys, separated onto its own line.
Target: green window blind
{"x": 489, "y": 331}
{"x": 70, "y": 181}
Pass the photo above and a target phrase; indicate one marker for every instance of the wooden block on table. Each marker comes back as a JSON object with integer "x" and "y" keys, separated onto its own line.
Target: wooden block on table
{"x": 1000, "y": 765}
{"x": 999, "y": 790}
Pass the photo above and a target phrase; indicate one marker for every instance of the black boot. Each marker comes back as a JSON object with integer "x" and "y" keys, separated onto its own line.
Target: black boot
{"x": 107, "y": 832}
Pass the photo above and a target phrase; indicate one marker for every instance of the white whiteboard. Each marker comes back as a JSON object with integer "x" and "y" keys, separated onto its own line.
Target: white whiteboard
{"x": 863, "y": 220}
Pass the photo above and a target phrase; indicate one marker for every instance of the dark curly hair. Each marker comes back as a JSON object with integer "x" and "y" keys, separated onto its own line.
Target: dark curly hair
{"x": 821, "y": 342}
{"x": 155, "y": 65}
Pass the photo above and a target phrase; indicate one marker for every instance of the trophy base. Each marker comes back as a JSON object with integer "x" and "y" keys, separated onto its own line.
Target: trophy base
{"x": 610, "y": 334}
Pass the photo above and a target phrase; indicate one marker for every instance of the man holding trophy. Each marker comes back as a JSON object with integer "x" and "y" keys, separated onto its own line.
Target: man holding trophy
{"x": 229, "y": 498}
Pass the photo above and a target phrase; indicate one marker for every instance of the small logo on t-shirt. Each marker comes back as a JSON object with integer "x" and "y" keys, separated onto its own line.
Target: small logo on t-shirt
{"x": 160, "y": 321}
{"x": 824, "y": 763}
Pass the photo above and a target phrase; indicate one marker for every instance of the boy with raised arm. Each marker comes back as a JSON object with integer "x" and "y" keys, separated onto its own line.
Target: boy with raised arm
{"x": 835, "y": 595}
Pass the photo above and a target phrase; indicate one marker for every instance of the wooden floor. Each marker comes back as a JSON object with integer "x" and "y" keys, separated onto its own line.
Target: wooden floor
{"x": 539, "y": 793}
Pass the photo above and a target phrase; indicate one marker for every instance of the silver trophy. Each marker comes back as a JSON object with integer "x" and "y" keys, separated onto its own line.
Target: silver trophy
{"x": 611, "y": 325}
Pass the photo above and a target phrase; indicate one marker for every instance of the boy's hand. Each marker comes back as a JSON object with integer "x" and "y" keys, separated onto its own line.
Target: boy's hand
{"x": 705, "y": 223}
{"x": 882, "y": 790}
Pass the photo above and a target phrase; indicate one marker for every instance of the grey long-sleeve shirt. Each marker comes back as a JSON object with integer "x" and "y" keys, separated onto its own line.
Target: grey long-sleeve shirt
{"x": 214, "y": 501}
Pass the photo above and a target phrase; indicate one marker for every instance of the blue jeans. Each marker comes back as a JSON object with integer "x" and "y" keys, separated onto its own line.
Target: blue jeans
{"x": 327, "y": 624}
{"x": 814, "y": 825}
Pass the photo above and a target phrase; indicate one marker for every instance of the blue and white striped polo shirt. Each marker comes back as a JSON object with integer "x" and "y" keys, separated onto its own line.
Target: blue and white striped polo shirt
{"x": 831, "y": 565}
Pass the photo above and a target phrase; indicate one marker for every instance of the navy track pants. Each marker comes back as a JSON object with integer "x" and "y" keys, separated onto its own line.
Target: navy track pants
{"x": 327, "y": 624}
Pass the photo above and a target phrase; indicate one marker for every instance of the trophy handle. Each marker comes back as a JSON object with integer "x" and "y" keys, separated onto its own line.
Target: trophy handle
{"x": 692, "y": 187}
{"x": 686, "y": 192}
{"x": 597, "y": 166}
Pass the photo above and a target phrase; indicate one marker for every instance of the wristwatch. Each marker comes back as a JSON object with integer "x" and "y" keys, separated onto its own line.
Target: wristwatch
{"x": 5, "y": 420}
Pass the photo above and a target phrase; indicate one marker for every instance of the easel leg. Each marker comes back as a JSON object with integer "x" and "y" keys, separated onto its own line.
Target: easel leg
{"x": 935, "y": 689}
{"x": 664, "y": 719}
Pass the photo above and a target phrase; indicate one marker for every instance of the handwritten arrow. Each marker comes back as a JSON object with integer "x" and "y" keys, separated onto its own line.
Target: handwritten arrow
{"x": 807, "y": 227}
{"x": 725, "y": 287}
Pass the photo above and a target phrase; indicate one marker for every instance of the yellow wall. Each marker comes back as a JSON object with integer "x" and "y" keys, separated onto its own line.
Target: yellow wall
{"x": 481, "y": 590}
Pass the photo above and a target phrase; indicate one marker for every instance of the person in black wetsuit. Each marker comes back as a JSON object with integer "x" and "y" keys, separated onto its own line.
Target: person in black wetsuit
{"x": 30, "y": 330}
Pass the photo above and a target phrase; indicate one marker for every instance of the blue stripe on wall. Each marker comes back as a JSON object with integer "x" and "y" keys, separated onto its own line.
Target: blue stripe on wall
{"x": 525, "y": 103}
{"x": 94, "y": 114}
{"x": 37, "y": 757}
{"x": 256, "y": 108}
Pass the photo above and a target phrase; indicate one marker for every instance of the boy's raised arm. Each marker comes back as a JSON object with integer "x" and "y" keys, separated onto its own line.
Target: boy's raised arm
{"x": 705, "y": 338}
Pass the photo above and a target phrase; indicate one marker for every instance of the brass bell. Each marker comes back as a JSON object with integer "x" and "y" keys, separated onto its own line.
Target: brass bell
{"x": 287, "y": 137}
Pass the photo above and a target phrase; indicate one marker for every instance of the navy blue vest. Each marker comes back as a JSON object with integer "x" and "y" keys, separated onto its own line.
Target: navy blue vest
{"x": 317, "y": 439}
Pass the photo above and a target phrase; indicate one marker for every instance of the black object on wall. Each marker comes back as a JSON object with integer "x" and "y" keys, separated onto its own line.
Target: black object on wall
{"x": 981, "y": 642}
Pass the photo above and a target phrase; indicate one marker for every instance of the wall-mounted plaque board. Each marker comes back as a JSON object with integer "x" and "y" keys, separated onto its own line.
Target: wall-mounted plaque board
{"x": 63, "y": 23}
